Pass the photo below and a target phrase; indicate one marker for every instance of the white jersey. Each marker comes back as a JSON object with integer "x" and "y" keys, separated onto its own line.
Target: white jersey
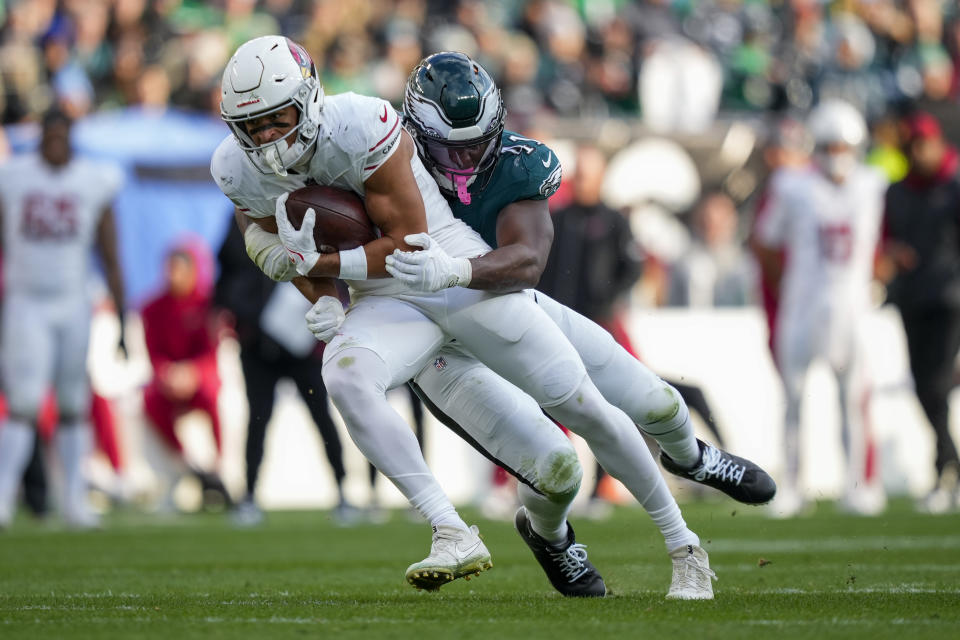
{"x": 829, "y": 233}
{"x": 357, "y": 135}
{"x": 50, "y": 217}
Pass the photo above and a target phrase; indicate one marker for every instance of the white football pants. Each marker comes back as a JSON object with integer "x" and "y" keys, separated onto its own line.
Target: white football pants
{"x": 835, "y": 338}
{"x": 45, "y": 342}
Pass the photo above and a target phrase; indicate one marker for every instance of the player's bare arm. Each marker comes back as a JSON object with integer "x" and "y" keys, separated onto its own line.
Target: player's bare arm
{"x": 315, "y": 288}
{"x": 107, "y": 245}
{"x": 770, "y": 260}
{"x": 243, "y": 221}
{"x": 394, "y": 204}
{"x": 524, "y": 236}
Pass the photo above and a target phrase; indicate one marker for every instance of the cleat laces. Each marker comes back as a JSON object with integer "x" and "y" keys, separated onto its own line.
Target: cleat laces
{"x": 717, "y": 465}
{"x": 572, "y": 561}
{"x": 690, "y": 574}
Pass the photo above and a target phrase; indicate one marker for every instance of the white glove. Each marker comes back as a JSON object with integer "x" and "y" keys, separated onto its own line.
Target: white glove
{"x": 325, "y": 317}
{"x": 299, "y": 243}
{"x": 429, "y": 270}
{"x": 268, "y": 253}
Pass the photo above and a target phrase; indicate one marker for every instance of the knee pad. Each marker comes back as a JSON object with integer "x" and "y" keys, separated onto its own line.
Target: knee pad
{"x": 663, "y": 411}
{"x": 559, "y": 474}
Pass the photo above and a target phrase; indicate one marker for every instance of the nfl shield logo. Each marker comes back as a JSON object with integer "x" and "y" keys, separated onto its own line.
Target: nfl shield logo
{"x": 440, "y": 363}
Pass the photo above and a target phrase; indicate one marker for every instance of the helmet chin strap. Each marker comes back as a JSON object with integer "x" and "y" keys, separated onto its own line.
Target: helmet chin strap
{"x": 460, "y": 184}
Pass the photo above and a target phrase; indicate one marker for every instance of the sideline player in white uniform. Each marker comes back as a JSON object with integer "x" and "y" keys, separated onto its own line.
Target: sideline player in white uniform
{"x": 390, "y": 331}
{"x": 55, "y": 208}
{"x": 827, "y": 220}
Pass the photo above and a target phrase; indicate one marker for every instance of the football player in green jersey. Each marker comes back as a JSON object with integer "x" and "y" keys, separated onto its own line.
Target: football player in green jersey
{"x": 498, "y": 182}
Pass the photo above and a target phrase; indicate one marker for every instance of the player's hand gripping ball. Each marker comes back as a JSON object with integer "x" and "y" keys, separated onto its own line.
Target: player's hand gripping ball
{"x": 317, "y": 219}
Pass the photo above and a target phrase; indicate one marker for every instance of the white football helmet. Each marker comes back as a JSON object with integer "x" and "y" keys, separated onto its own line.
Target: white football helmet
{"x": 264, "y": 75}
{"x": 839, "y": 134}
{"x": 837, "y": 122}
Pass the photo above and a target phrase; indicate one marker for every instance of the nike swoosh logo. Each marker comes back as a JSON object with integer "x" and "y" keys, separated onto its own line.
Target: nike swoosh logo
{"x": 469, "y": 549}
{"x": 383, "y": 118}
{"x": 549, "y": 159}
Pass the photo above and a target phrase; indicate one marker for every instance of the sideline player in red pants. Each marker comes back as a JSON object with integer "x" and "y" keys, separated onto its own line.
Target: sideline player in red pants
{"x": 183, "y": 351}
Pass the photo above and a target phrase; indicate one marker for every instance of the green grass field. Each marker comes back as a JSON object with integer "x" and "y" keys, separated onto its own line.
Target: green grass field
{"x": 827, "y": 576}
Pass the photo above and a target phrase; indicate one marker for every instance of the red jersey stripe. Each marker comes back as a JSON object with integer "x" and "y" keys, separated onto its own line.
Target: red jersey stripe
{"x": 386, "y": 137}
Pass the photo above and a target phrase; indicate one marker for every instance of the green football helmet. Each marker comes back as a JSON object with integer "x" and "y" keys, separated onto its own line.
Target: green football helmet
{"x": 454, "y": 112}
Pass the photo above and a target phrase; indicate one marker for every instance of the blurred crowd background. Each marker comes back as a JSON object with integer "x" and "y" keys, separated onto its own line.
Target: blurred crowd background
{"x": 688, "y": 105}
{"x": 576, "y": 59}
{"x": 714, "y": 76}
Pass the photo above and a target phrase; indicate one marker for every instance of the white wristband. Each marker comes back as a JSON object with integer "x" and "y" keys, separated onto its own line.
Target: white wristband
{"x": 353, "y": 264}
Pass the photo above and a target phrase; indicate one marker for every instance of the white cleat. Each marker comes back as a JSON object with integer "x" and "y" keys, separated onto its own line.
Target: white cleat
{"x": 945, "y": 496}
{"x": 246, "y": 515}
{"x": 864, "y": 501}
{"x": 940, "y": 501}
{"x": 692, "y": 576}
{"x": 455, "y": 553}
{"x": 789, "y": 503}
{"x": 81, "y": 519}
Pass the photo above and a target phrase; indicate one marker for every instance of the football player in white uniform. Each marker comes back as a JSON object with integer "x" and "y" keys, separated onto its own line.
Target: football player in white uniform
{"x": 826, "y": 218}
{"x": 55, "y": 208}
{"x": 281, "y": 140}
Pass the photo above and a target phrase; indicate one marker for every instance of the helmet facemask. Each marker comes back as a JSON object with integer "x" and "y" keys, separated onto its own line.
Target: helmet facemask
{"x": 278, "y": 155}
{"x": 836, "y": 161}
{"x": 457, "y": 164}
{"x": 273, "y": 73}
{"x": 454, "y": 112}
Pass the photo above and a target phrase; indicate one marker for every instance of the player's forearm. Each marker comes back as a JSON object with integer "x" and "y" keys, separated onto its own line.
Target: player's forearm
{"x": 507, "y": 269}
{"x": 115, "y": 285}
{"x": 107, "y": 244}
{"x": 315, "y": 288}
{"x": 329, "y": 265}
{"x": 770, "y": 261}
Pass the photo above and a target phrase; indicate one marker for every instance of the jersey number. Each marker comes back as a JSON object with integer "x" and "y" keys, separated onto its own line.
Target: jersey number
{"x": 49, "y": 218}
{"x": 836, "y": 242}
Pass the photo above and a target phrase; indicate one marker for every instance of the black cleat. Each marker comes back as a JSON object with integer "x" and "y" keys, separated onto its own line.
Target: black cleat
{"x": 567, "y": 566}
{"x": 737, "y": 477}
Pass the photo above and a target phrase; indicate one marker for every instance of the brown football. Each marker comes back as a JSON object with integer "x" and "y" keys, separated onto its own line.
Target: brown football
{"x": 342, "y": 221}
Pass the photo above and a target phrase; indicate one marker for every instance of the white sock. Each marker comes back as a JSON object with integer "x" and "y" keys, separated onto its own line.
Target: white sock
{"x": 670, "y": 521}
{"x": 435, "y": 507}
{"x": 548, "y": 519}
{"x": 74, "y": 442}
{"x": 16, "y": 445}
